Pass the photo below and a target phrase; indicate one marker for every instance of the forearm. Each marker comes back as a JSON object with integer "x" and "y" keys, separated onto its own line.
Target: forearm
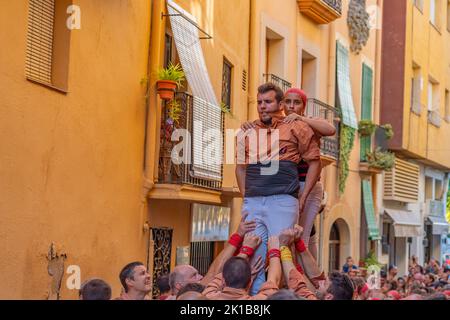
{"x": 275, "y": 271}
{"x": 240, "y": 177}
{"x": 321, "y": 126}
{"x": 312, "y": 177}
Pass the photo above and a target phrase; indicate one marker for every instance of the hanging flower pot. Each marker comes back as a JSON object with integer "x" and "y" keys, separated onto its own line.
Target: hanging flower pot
{"x": 166, "y": 89}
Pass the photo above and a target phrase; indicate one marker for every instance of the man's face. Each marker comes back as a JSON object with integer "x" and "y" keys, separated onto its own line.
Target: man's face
{"x": 268, "y": 106}
{"x": 352, "y": 273}
{"x": 190, "y": 275}
{"x": 394, "y": 271}
{"x": 293, "y": 103}
{"x": 350, "y": 262}
{"x": 141, "y": 280}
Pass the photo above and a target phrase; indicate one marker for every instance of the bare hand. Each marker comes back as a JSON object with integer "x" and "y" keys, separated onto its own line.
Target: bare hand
{"x": 246, "y": 226}
{"x": 247, "y": 126}
{"x": 298, "y": 231}
{"x": 292, "y": 118}
{"x": 274, "y": 243}
{"x": 257, "y": 266}
{"x": 286, "y": 237}
{"x": 251, "y": 240}
{"x": 301, "y": 204}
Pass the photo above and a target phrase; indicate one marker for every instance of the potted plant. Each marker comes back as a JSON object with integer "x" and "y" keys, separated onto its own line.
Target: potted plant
{"x": 388, "y": 131}
{"x": 383, "y": 160}
{"x": 366, "y": 128}
{"x": 170, "y": 79}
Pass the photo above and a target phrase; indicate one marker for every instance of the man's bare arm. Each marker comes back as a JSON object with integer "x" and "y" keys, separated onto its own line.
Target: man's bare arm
{"x": 240, "y": 177}
{"x": 314, "y": 170}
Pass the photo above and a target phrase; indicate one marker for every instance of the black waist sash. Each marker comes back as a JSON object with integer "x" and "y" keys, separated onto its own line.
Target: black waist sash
{"x": 284, "y": 181}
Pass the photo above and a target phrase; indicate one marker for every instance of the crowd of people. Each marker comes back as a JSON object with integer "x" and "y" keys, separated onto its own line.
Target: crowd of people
{"x": 292, "y": 274}
{"x": 273, "y": 253}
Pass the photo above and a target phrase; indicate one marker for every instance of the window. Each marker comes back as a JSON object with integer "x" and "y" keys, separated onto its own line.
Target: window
{"x": 275, "y": 58}
{"x": 448, "y": 16}
{"x": 433, "y": 103}
{"x": 226, "y": 83}
{"x": 447, "y": 105}
{"x": 168, "y": 50}
{"x": 366, "y": 112}
{"x": 48, "y": 43}
{"x": 419, "y": 4}
{"x": 434, "y": 13}
{"x": 416, "y": 90}
{"x": 309, "y": 73}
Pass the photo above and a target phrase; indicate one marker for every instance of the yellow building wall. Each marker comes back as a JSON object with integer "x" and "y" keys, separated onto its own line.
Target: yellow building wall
{"x": 71, "y": 165}
{"x": 427, "y": 47}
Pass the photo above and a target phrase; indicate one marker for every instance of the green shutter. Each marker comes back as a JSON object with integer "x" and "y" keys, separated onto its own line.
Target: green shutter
{"x": 366, "y": 108}
{"x": 374, "y": 233}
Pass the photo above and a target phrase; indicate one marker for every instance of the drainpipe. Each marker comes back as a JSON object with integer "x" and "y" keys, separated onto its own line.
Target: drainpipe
{"x": 330, "y": 101}
{"x": 153, "y": 112}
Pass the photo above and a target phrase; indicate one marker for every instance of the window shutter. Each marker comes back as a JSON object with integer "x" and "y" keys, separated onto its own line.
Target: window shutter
{"x": 40, "y": 40}
{"x": 366, "y": 112}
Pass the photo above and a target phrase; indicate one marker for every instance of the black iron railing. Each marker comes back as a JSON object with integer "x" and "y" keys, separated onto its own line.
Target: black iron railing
{"x": 335, "y": 4}
{"x": 283, "y": 84}
{"x": 318, "y": 109}
{"x": 169, "y": 172}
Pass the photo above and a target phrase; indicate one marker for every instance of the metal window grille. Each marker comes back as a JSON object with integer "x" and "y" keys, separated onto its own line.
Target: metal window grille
{"x": 201, "y": 256}
{"x": 283, "y": 84}
{"x": 162, "y": 239}
{"x": 226, "y": 83}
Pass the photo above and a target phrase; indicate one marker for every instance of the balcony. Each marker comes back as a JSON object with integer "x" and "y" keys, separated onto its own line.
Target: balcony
{"x": 329, "y": 147}
{"x": 435, "y": 208}
{"x": 321, "y": 11}
{"x": 283, "y": 84}
{"x": 182, "y": 174}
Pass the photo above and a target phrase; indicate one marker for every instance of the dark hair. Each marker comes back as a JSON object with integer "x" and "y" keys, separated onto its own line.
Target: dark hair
{"x": 128, "y": 273}
{"x": 191, "y": 287}
{"x": 383, "y": 274}
{"x": 285, "y": 295}
{"x": 237, "y": 273}
{"x": 436, "y": 296}
{"x": 392, "y": 267}
{"x": 163, "y": 283}
{"x": 341, "y": 286}
{"x": 95, "y": 289}
{"x": 267, "y": 87}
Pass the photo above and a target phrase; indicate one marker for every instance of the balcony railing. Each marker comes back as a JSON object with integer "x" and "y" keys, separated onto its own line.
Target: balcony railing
{"x": 435, "y": 208}
{"x": 318, "y": 109}
{"x": 321, "y": 11}
{"x": 283, "y": 84}
{"x": 170, "y": 173}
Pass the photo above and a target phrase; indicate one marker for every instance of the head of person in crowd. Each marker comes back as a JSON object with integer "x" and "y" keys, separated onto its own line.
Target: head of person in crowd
{"x": 401, "y": 284}
{"x": 352, "y": 273}
{"x": 285, "y": 294}
{"x": 295, "y": 101}
{"x": 429, "y": 279}
{"x": 191, "y": 287}
{"x": 393, "y": 271}
{"x": 418, "y": 269}
{"x": 181, "y": 276}
{"x": 340, "y": 287}
{"x": 237, "y": 273}
{"x": 361, "y": 287}
{"x": 269, "y": 102}
{"x": 418, "y": 278}
{"x": 376, "y": 295}
{"x": 413, "y": 296}
{"x": 393, "y": 295}
{"x": 191, "y": 295}
{"x": 95, "y": 289}
{"x": 387, "y": 286}
{"x": 436, "y": 296}
{"x": 350, "y": 262}
{"x": 163, "y": 285}
{"x": 383, "y": 277}
{"x": 135, "y": 280}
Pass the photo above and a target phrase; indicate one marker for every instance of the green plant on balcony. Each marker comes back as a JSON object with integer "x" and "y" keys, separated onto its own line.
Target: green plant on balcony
{"x": 388, "y": 131}
{"x": 174, "y": 112}
{"x": 227, "y": 110}
{"x": 371, "y": 260}
{"x": 169, "y": 79}
{"x": 366, "y": 128}
{"x": 358, "y": 25}
{"x": 383, "y": 160}
{"x": 347, "y": 139}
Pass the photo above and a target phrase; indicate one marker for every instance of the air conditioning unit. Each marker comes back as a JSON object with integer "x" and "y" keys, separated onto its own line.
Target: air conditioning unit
{"x": 401, "y": 183}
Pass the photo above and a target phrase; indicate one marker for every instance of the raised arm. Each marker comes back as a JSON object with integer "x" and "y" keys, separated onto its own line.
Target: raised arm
{"x": 320, "y": 126}
{"x": 233, "y": 245}
{"x": 240, "y": 177}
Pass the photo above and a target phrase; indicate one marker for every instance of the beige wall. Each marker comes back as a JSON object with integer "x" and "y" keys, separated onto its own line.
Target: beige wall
{"x": 71, "y": 165}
